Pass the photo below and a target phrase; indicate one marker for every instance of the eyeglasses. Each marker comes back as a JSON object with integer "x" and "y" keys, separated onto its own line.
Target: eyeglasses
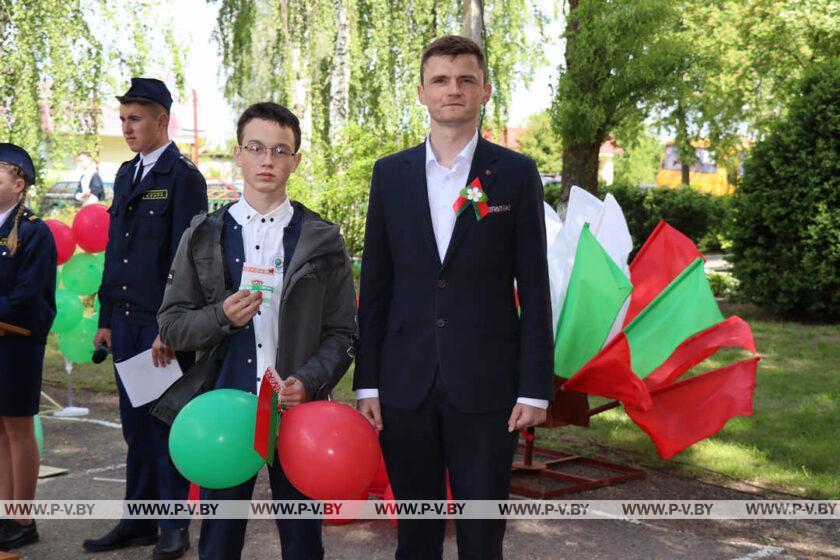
{"x": 256, "y": 151}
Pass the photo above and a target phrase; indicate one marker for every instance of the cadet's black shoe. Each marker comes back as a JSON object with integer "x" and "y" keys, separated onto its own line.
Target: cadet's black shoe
{"x": 173, "y": 544}
{"x": 122, "y": 536}
{"x": 14, "y": 535}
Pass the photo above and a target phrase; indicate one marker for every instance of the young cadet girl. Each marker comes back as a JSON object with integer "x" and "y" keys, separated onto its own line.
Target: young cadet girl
{"x": 27, "y": 300}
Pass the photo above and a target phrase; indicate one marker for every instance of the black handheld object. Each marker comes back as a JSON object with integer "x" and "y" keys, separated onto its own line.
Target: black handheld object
{"x": 100, "y": 354}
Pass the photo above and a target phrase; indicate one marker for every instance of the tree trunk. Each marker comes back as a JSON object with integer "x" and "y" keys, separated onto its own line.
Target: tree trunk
{"x": 580, "y": 168}
{"x": 473, "y": 24}
{"x": 340, "y": 72}
{"x": 684, "y": 147}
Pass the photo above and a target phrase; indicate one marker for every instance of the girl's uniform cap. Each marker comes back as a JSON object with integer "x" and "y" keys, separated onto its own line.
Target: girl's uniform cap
{"x": 15, "y": 155}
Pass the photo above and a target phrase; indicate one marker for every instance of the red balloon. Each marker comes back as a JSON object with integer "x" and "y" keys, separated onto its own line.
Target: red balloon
{"x": 91, "y": 227}
{"x": 389, "y": 497}
{"x": 65, "y": 242}
{"x": 328, "y": 450}
{"x": 380, "y": 480}
{"x": 349, "y": 510}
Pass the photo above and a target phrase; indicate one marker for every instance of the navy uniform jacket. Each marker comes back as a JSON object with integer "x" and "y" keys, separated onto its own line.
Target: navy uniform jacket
{"x": 418, "y": 315}
{"x": 146, "y": 226}
{"x": 27, "y": 278}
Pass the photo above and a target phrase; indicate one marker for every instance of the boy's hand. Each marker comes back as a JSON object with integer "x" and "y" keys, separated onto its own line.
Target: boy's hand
{"x": 239, "y": 307}
{"x": 161, "y": 353}
{"x": 103, "y": 336}
{"x": 293, "y": 392}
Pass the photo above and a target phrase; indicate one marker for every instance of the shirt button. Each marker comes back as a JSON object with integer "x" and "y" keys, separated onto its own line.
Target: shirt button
{"x": 441, "y": 323}
{"x": 125, "y": 287}
{"x": 259, "y": 312}
{"x": 250, "y": 361}
{"x": 263, "y": 220}
{"x": 235, "y": 227}
{"x": 247, "y": 217}
{"x": 441, "y": 283}
{"x": 151, "y": 211}
{"x": 259, "y": 345}
{"x": 127, "y": 312}
{"x": 271, "y": 219}
{"x": 237, "y": 259}
{"x": 247, "y": 326}
{"x": 259, "y": 379}
{"x": 126, "y": 234}
{"x": 131, "y": 207}
{"x": 258, "y": 247}
{"x": 125, "y": 261}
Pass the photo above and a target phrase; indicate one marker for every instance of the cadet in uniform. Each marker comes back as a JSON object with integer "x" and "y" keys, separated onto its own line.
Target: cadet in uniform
{"x": 27, "y": 299}
{"x": 156, "y": 194}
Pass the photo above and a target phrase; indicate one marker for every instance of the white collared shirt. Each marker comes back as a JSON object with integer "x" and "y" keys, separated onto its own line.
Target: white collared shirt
{"x": 262, "y": 237}
{"x": 149, "y": 160}
{"x": 443, "y": 185}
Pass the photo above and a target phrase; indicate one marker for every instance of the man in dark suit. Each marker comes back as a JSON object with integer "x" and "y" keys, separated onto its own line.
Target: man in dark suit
{"x": 446, "y": 367}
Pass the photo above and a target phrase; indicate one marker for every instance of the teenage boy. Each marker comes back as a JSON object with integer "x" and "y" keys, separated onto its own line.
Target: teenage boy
{"x": 301, "y": 322}
{"x": 156, "y": 194}
{"x": 446, "y": 367}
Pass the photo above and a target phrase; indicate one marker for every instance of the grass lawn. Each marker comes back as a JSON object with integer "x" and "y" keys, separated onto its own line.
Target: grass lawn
{"x": 791, "y": 444}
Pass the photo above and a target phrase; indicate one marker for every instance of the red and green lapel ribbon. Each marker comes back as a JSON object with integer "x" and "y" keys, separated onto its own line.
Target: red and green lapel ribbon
{"x": 472, "y": 195}
{"x": 265, "y": 430}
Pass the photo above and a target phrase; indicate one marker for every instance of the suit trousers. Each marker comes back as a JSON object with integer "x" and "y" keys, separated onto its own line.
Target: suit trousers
{"x": 420, "y": 445}
{"x": 150, "y": 473}
{"x": 223, "y": 539}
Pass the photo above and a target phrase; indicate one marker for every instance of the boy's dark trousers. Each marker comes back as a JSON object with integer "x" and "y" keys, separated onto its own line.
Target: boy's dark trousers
{"x": 222, "y": 539}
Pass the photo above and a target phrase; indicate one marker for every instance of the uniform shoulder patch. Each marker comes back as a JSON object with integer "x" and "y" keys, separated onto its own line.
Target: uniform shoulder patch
{"x": 188, "y": 162}
{"x": 29, "y": 215}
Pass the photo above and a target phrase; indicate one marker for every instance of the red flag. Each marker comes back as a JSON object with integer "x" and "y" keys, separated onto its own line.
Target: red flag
{"x": 694, "y": 409}
{"x": 665, "y": 254}
{"x": 608, "y": 374}
{"x": 734, "y": 332}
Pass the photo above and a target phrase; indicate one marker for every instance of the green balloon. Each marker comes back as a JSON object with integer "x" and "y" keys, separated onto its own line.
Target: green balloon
{"x": 212, "y": 439}
{"x": 69, "y": 310}
{"x": 82, "y": 274}
{"x": 77, "y": 345}
{"x": 39, "y": 433}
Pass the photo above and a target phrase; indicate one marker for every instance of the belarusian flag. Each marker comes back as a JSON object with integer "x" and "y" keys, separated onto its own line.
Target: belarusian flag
{"x": 597, "y": 290}
{"x": 679, "y": 326}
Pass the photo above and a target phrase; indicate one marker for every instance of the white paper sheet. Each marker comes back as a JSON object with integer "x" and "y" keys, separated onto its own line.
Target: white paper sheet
{"x": 143, "y": 381}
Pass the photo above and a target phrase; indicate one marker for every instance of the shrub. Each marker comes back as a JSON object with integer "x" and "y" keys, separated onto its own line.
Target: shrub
{"x": 786, "y": 243}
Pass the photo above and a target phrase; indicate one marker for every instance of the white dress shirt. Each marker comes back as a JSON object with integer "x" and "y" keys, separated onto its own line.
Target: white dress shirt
{"x": 262, "y": 237}
{"x": 443, "y": 185}
{"x": 149, "y": 160}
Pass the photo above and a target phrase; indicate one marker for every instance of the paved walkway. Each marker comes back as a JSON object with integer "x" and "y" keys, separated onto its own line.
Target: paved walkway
{"x": 93, "y": 451}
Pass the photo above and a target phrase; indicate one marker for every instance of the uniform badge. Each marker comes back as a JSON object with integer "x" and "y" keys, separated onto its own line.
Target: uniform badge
{"x": 156, "y": 194}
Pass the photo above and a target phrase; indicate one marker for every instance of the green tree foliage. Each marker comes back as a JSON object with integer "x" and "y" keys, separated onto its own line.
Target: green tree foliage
{"x": 288, "y": 51}
{"x": 640, "y": 161}
{"x": 621, "y": 58}
{"x": 786, "y": 243}
{"x": 541, "y": 143}
{"x": 56, "y": 67}
{"x": 745, "y": 60}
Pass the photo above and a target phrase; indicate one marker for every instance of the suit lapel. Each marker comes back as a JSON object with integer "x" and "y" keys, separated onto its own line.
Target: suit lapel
{"x": 482, "y": 167}
{"x": 419, "y": 191}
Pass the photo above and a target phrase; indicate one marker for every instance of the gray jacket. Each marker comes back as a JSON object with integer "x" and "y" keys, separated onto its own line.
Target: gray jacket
{"x": 317, "y": 324}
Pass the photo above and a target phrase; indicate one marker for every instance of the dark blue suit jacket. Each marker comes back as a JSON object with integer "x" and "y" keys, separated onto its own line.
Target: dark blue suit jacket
{"x": 418, "y": 314}
{"x": 146, "y": 227}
